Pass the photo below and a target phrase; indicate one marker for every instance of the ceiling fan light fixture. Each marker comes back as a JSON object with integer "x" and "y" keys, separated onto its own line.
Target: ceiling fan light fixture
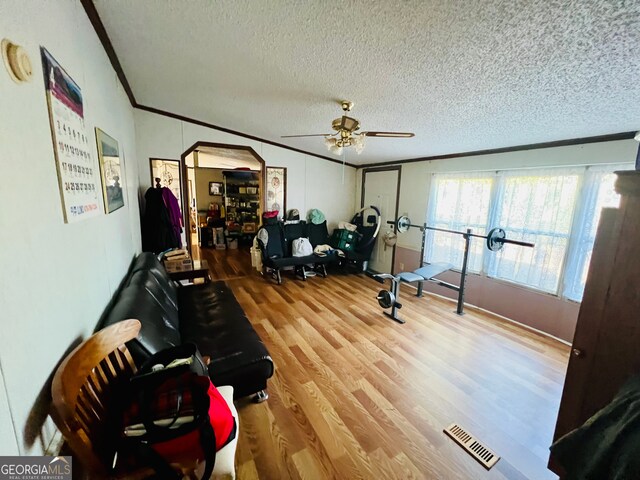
{"x": 329, "y": 142}
{"x": 336, "y": 150}
{"x": 358, "y": 142}
{"x": 350, "y": 124}
{"x": 345, "y": 123}
{"x": 334, "y": 145}
{"x": 347, "y": 133}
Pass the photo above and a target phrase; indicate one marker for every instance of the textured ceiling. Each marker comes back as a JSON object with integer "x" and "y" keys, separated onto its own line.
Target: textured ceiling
{"x": 463, "y": 75}
{"x": 212, "y": 157}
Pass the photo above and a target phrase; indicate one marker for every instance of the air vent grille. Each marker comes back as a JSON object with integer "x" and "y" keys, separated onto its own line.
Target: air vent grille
{"x": 475, "y": 448}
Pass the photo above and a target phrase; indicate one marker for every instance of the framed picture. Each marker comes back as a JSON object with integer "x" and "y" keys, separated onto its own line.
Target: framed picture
{"x": 169, "y": 173}
{"x": 111, "y": 171}
{"x": 276, "y": 198}
{"x": 215, "y": 188}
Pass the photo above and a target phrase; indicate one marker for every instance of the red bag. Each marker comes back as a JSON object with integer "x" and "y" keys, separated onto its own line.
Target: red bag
{"x": 176, "y": 413}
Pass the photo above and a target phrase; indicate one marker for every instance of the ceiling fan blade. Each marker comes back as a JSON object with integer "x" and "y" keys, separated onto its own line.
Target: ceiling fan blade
{"x": 313, "y": 135}
{"x": 389, "y": 134}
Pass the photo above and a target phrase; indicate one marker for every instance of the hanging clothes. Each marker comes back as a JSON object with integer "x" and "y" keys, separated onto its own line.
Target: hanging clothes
{"x": 158, "y": 233}
{"x": 607, "y": 445}
{"x": 175, "y": 215}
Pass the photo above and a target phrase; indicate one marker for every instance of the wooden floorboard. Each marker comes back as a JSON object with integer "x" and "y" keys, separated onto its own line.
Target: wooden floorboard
{"x": 356, "y": 395}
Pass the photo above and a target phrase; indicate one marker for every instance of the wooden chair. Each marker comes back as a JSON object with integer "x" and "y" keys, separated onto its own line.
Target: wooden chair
{"x": 85, "y": 391}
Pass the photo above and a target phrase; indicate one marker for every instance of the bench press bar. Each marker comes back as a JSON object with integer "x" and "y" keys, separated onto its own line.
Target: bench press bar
{"x": 496, "y": 236}
{"x": 468, "y": 232}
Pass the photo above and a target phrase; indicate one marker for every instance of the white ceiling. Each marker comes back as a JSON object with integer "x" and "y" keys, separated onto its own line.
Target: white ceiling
{"x": 463, "y": 75}
{"x": 212, "y": 157}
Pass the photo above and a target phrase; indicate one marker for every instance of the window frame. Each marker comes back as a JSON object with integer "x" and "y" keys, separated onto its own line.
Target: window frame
{"x": 575, "y": 228}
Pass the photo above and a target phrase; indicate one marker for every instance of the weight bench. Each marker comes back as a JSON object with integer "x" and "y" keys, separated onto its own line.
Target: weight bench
{"x": 427, "y": 274}
{"x": 389, "y": 298}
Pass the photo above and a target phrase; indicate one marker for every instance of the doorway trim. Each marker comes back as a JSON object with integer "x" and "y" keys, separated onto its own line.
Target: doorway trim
{"x": 397, "y": 168}
{"x": 185, "y": 185}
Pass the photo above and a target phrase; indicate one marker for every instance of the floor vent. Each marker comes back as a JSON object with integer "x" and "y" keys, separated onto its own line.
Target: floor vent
{"x": 476, "y": 449}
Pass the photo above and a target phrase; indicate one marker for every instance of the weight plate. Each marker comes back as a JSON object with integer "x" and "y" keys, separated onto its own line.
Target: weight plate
{"x": 403, "y": 224}
{"x": 386, "y": 299}
{"x": 493, "y": 239}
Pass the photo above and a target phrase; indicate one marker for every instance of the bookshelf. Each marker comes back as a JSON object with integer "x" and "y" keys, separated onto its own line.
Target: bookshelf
{"x": 242, "y": 200}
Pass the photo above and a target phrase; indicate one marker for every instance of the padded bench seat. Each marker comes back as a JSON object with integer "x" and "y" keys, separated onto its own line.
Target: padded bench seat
{"x": 433, "y": 270}
{"x": 409, "y": 277}
{"x": 425, "y": 273}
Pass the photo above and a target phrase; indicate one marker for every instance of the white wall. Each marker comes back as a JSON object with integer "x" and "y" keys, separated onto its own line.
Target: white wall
{"x": 311, "y": 182}
{"x": 8, "y": 439}
{"x": 56, "y": 277}
{"x": 414, "y": 195}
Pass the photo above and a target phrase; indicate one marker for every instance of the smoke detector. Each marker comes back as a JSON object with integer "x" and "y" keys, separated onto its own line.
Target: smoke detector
{"x": 17, "y": 61}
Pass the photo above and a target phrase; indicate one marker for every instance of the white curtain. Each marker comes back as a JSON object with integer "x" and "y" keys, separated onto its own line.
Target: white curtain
{"x": 598, "y": 192}
{"x": 557, "y": 209}
{"x": 534, "y": 206}
{"x": 457, "y": 202}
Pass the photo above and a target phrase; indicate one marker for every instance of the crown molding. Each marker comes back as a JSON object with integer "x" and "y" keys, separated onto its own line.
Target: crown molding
{"x": 532, "y": 146}
{"x": 98, "y": 26}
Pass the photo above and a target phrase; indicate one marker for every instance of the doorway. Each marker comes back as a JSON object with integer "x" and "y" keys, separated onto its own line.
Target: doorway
{"x": 381, "y": 188}
{"x": 223, "y": 205}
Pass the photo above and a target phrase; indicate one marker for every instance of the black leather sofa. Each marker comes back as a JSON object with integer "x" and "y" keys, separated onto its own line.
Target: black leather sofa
{"x": 207, "y": 314}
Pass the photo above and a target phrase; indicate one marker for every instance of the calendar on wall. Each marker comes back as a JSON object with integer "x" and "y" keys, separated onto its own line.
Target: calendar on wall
{"x": 77, "y": 167}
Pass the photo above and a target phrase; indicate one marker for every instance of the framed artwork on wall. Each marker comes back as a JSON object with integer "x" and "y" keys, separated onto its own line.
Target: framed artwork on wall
{"x": 216, "y": 188}
{"x": 276, "y": 190}
{"x": 111, "y": 171}
{"x": 78, "y": 176}
{"x": 169, "y": 173}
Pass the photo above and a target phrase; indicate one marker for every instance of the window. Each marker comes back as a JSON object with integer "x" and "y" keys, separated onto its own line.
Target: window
{"x": 458, "y": 202}
{"x": 598, "y": 193}
{"x": 557, "y": 209}
{"x": 537, "y": 207}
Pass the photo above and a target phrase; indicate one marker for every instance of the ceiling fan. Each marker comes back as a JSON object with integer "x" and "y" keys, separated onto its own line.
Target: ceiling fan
{"x": 346, "y": 133}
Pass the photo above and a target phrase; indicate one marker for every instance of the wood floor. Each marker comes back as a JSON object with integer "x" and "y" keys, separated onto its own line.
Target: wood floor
{"x": 225, "y": 264}
{"x": 355, "y": 395}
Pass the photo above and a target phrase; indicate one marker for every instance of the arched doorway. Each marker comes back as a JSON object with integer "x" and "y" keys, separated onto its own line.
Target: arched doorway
{"x": 224, "y": 195}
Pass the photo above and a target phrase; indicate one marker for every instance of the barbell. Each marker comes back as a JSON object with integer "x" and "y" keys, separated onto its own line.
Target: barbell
{"x": 495, "y": 240}
{"x": 386, "y": 298}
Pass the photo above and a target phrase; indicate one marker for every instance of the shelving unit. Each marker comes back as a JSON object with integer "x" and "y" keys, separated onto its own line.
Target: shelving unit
{"x": 242, "y": 200}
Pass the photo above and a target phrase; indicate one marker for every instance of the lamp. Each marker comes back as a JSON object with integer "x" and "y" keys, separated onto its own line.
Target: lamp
{"x": 333, "y": 145}
{"x": 358, "y": 142}
{"x": 347, "y": 139}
